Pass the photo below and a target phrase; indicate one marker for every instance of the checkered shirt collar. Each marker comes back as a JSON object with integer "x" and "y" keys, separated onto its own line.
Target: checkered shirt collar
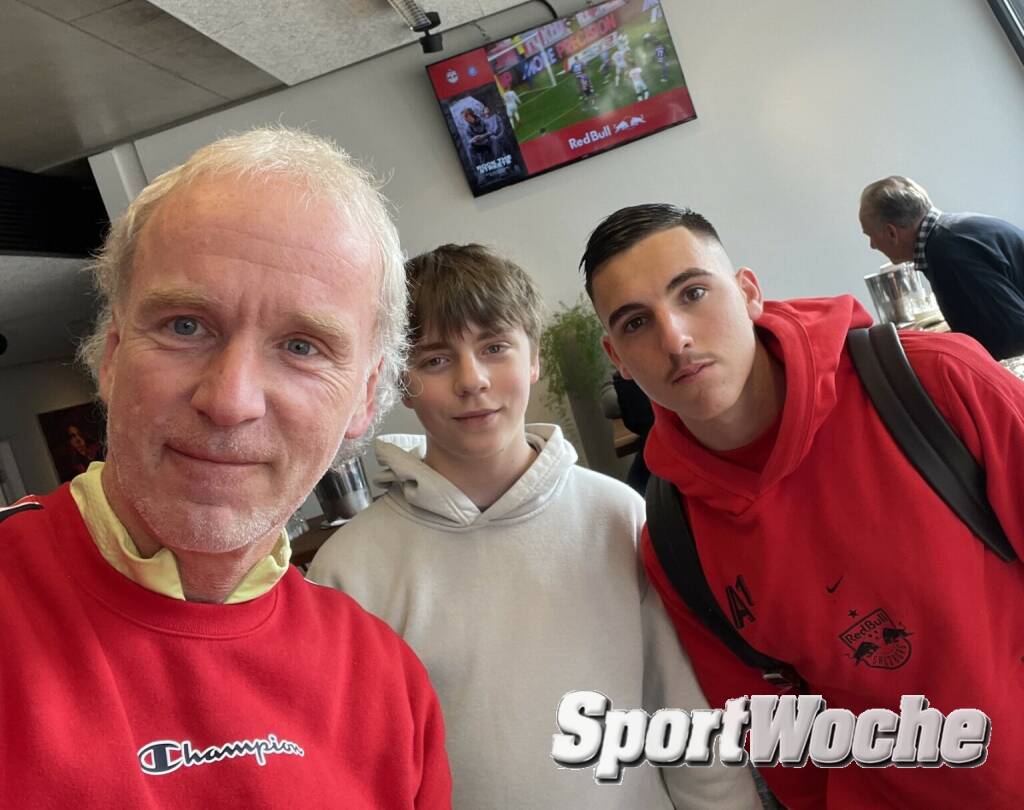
{"x": 923, "y": 232}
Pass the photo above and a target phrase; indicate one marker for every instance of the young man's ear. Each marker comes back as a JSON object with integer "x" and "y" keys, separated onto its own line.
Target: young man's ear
{"x": 751, "y": 289}
{"x": 534, "y": 364}
{"x": 109, "y": 359}
{"x": 609, "y": 349}
{"x": 362, "y": 418}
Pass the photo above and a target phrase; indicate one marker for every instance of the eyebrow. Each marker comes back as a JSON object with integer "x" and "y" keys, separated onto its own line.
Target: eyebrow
{"x": 328, "y": 328}
{"x": 171, "y": 298}
{"x": 439, "y": 345}
{"x": 676, "y": 282}
{"x": 324, "y": 326}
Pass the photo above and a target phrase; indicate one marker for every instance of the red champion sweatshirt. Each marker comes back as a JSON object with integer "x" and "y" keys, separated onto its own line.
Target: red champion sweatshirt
{"x": 838, "y": 541}
{"x": 114, "y": 696}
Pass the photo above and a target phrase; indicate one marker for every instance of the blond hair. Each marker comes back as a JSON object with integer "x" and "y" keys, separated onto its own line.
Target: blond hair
{"x": 324, "y": 172}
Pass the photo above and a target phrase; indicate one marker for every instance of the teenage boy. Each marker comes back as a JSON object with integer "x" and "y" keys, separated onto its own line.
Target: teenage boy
{"x": 508, "y": 568}
{"x": 814, "y": 531}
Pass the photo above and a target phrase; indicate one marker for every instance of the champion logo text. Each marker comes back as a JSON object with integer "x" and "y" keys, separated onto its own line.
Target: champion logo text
{"x": 164, "y": 756}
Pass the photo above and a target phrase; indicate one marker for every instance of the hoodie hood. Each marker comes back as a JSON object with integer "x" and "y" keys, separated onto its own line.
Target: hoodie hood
{"x": 428, "y": 497}
{"x": 808, "y": 336}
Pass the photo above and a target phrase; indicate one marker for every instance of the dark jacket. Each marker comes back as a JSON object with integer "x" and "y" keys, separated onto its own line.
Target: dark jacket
{"x": 976, "y": 268}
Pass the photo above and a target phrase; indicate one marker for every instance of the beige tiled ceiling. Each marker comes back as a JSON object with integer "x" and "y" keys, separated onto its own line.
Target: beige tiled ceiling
{"x": 204, "y": 62}
{"x": 77, "y": 76}
{"x": 135, "y": 26}
{"x": 71, "y": 9}
{"x": 64, "y": 91}
{"x": 296, "y": 40}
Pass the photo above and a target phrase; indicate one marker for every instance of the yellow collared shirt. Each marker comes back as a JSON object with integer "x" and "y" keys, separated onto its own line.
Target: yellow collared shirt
{"x": 159, "y": 573}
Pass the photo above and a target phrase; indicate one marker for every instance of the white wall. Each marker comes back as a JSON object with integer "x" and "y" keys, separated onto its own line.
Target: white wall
{"x": 800, "y": 104}
{"x": 26, "y": 391}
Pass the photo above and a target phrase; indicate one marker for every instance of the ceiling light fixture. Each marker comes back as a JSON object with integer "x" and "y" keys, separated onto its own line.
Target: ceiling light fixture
{"x": 421, "y": 22}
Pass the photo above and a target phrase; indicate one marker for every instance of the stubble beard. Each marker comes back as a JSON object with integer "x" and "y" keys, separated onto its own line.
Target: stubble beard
{"x": 178, "y": 523}
{"x": 208, "y": 529}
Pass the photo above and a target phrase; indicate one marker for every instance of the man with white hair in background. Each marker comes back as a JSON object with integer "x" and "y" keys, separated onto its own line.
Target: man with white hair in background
{"x": 158, "y": 649}
{"x": 975, "y": 263}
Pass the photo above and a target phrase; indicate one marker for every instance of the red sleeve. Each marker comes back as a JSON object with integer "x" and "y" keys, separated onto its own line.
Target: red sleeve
{"x": 984, "y": 404}
{"x": 435, "y": 792}
{"x": 722, "y": 676}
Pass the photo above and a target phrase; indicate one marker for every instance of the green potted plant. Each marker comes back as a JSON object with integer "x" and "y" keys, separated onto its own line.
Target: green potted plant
{"x": 574, "y": 367}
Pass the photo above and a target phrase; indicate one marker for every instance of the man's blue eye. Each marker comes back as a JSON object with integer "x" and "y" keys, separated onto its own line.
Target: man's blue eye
{"x": 185, "y": 326}
{"x": 300, "y": 347}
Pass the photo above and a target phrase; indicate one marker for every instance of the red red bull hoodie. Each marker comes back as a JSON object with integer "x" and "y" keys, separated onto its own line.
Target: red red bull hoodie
{"x": 835, "y": 555}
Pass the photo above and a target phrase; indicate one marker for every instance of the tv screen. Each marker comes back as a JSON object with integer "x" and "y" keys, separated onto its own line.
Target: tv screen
{"x": 561, "y": 92}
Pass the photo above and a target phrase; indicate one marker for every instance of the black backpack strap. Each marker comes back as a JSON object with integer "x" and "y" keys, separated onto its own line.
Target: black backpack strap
{"x": 923, "y": 434}
{"x": 673, "y": 543}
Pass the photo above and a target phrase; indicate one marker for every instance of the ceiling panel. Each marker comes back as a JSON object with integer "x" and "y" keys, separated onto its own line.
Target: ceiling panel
{"x": 296, "y": 40}
{"x": 135, "y": 26}
{"x": 206, "y": 63}
{"x": 79, "y": 76}
{"x": 66, "y": 93}
{"x": 71, "y": 9}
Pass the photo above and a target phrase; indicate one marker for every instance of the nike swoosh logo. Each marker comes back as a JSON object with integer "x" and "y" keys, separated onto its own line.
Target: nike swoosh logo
{"x": 832, "y": 589}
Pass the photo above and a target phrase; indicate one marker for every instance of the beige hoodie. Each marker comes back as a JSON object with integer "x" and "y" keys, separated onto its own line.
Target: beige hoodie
{"x": 513, "y": 606}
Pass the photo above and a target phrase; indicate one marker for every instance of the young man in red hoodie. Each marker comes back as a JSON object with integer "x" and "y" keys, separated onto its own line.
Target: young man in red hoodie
{"x": 811, "y": 525}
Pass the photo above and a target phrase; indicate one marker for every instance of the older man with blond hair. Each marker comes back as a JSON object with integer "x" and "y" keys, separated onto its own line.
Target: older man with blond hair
{"x": 159, "y": 650}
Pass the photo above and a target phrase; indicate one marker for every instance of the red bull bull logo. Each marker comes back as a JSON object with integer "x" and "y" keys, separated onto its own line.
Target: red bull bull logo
{"x": 877, "y": 641}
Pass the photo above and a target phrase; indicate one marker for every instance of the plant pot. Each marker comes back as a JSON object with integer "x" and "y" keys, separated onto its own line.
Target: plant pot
{"x": 595, "y": 432}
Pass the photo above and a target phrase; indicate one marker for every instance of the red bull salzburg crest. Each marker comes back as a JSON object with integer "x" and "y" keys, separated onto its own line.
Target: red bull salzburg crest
{"x": 877, "y": 641}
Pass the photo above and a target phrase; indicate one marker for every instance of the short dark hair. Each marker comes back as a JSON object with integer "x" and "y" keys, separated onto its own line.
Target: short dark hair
{"x": 627, "y": 226}
{"x": 454, "y": 286}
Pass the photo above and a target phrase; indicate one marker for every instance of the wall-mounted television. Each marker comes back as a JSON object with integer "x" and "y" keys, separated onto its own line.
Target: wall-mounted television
{"x": 561, "y": 92}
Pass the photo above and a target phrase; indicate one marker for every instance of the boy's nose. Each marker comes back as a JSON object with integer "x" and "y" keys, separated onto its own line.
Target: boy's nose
{"x": 471, "y": 378}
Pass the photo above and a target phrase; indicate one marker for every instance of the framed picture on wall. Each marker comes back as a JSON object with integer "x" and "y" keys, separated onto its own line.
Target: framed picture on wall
{"x": 74, "y": 437}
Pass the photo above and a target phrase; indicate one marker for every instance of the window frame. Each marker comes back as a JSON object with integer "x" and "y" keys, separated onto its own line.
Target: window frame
{"x": 1010, "y": 14}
